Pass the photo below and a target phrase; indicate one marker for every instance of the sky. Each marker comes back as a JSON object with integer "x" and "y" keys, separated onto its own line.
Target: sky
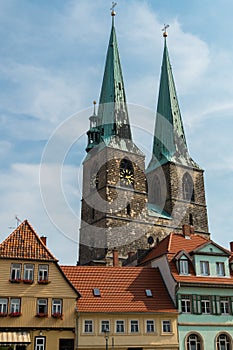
{"x": 52, "y": 56}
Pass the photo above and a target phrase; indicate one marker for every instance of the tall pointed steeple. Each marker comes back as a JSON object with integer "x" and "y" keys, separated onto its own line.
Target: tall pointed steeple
{"x": 112, "y": 112}
{"x": 169, "y": 137}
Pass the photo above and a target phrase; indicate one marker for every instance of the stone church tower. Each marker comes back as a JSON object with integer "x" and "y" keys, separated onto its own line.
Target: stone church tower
{"x": 124, "y": 205}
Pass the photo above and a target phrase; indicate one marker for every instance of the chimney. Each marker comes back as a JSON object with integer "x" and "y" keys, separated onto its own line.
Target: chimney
{"x": 115, "y": 257}
{"x": 231, "y": 246}
{"x": 44, "y": 239}
{"x": 186, "y": 230}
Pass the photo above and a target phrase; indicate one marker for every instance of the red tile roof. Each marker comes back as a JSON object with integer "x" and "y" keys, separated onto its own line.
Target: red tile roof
{"x": 174, "y": 243}
{"x": 24, "y": 243}
{"x": 177, "y": 242}
{"x": 122, "y": 289}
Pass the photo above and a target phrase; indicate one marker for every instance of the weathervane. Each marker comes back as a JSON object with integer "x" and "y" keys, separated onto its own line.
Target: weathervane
{"x": 164, "y": 30}
{"x": 113, "y": 13}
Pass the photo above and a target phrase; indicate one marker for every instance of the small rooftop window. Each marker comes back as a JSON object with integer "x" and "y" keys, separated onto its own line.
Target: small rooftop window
{"x": 96, "y": 292}
{"x": 148, "y": 293}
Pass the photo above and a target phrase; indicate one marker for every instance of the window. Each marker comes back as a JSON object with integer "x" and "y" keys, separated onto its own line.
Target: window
{"x": 193, "y": 342}
{"x": 149, "y": 293}
{"x": 205, "y": 271}
{"x": 56, "y": 306}
{"x": 88, "y": 326}
{"x": 96, "y": 292}
{"x": 15, "y": 305}
{"x": 15, "y": 272}
{"x": 183, "y": 267}
{"x": 120, "y": 326}
{"x": 40, "y": 343}
{"x": 28, "y": 272}
{"x": 43, "y": 273}
{"x": 220, "y": 269}
{"x": 134, "y": 328}
{"x": 188, "y": 188}
{"x": 224, "y": 305}
{"x": 150, "y": 326}
{"x": 155, "y": 195}
{"x": 3, "y": 305}
{"x": 205, "y": 305}
{"x": 42, "y": 306}
{"x": 186, "y": 304}
{"x": 166, "y": 326}
{"x": 223, "y": 342}
{"x": 105, "y": 326}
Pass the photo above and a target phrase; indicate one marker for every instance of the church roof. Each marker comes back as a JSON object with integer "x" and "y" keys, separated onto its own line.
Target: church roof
{"x": 169, "y": 137}
{"x": 121, "y": 289}
{"x": 24, "y": 243}
{"x": 112, "y": 110}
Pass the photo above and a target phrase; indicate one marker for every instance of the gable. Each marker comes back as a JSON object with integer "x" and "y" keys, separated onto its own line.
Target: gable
{"x": 211, "y": 248}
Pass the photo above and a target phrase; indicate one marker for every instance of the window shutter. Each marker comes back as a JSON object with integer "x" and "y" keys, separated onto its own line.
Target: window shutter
{"x": 218, "y": 311}
{"x": 231, "y": 304}
{"x": 198, "y": 304}
{"x": 214, "y": 304}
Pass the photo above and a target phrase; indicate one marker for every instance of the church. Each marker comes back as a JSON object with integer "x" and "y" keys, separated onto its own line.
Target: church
{"x": 126, "y": 205}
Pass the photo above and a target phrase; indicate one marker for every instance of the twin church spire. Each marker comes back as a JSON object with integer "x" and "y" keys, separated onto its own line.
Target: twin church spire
{"x": 112, "y": 119}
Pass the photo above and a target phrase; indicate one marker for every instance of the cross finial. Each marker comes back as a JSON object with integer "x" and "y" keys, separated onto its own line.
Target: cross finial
{"x": 113, "y": 13}
{"x": 164, "y": 30}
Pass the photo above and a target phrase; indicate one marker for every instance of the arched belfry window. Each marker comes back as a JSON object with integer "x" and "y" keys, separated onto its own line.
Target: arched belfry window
{"x": 126, "y": 173}
{"x": 224, "y": 342}
{"x": 157, "y": 190}
{"x": 94, "y": 177}
{"x": 188, "y": 188}
{"x": 194, "y": 342}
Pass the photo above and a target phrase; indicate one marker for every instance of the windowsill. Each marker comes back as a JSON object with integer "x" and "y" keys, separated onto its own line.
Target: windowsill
{"x": 58, "y": 316}
{"x": 15, "y": 281}
{"x": 41, "y": 315}
{"x": 28, "y": 281}
{"x": 167, "y": 333}
{"x": 3, "y": 314}
{"x": 43, "y": 282}
{"x": 15, "y": 314}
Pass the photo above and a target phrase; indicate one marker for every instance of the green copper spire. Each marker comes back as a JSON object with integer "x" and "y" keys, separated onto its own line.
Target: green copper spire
{"x": 112, "y": 112}
{"x": 169, "y": 137}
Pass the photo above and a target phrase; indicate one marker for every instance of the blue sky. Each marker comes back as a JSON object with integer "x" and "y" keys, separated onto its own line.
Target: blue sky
{"x": 52, "y": 57}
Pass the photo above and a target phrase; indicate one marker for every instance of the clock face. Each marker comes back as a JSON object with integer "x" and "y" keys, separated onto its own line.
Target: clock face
{"x": 127, "y": 177}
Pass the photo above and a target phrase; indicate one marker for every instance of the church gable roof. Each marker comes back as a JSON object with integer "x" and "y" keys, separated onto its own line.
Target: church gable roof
{"x": 24, "y": 243}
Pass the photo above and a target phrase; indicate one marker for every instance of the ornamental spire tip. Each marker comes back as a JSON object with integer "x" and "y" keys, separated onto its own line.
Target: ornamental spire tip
{"x": 164, "y": 30}
{"x": 113, "y": 13}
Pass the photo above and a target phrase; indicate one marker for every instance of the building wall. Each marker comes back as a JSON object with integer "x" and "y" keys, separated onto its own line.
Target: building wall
{"x": 53, "y": 328}
{"x": 127, "y": 340}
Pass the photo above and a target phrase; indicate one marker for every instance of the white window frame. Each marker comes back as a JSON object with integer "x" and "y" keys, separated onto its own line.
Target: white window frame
{"x": 56, "y": 306}
{"x": 39, "y": 343}
{"x": 166, "y": 326}
{"x": 43, "y": 273}
{"x": 42, "y": 302}
{"x": 204, "y": 268}
{"x": 224, "y": 306}
{"x": 28, "y": 273}
{"x": 193, "y": 339}
{"x": 183, "y": 267}
{"x": 225, "y": 341}
{"x": 120, "y": 326}
{"x": 205, "y": 305}
{"x": 150, "y": 326}
{"x": 14, "y": 305}
{"x": 105, "y": 326}
{"x": 134, "y": 326}
{"x": 3, "y": 305}
{"x": 220, "y": 268}
{"x": 88, "y": 327}
{"x": 15, "y": 271}
{"x": 186, "y": 304}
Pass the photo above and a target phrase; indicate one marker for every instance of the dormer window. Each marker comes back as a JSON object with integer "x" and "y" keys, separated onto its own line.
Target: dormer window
{"x": 183, "y": 267}
{"x": 220, "y": 269}
{"x": 205, "y": 269}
